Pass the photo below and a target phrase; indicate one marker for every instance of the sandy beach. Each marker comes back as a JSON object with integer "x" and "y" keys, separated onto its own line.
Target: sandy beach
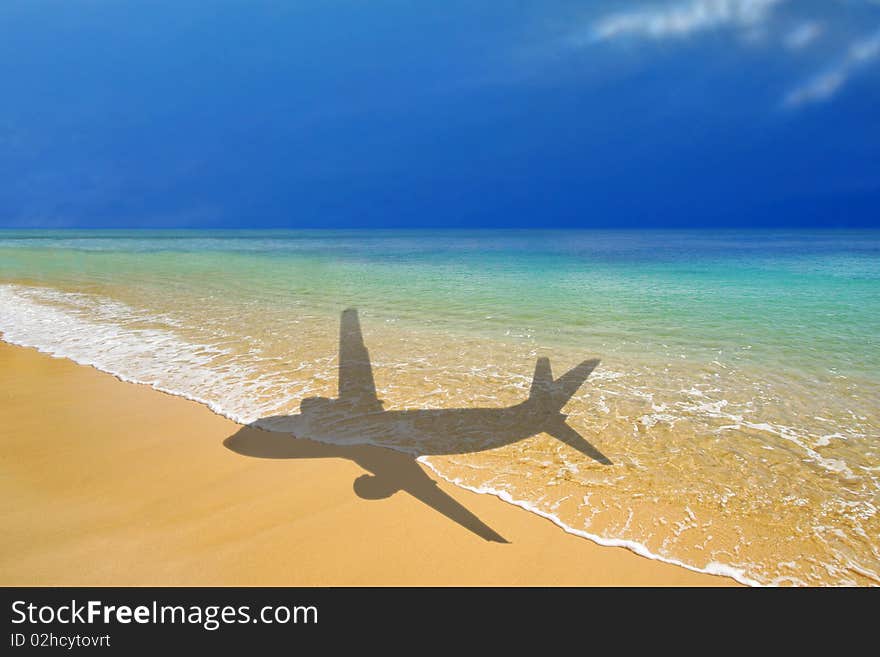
{"x": 112, "y": 483}
{"x": 358, "y": 294}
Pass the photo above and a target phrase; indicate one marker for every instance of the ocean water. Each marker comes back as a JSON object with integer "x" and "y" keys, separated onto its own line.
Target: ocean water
{"x": 738, "y": 394}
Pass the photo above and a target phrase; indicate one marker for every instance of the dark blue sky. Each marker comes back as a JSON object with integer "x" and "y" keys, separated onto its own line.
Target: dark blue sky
{"x": 246, "y": 113}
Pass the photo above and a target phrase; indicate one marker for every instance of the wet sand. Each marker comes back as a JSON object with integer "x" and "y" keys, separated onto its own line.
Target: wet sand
{"x": 111, "y": 483}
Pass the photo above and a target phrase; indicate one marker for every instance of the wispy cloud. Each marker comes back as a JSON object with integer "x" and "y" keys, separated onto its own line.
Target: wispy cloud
{"x": 824, "y": 86}
{"x": 766, "y": 27}
{"x": 802, "y": 35}
{"x": 682, "y": 19}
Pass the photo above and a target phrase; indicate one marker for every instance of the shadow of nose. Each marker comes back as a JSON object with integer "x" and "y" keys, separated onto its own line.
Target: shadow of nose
{"x": 238, "y": 444}
{"x": 260, "y": 444}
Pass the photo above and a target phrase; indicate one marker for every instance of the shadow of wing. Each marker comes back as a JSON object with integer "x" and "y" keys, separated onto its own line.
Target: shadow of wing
{"x": 357, "y": 388}
{"x": 561, "y": 431}
{"x": 430, "y": 493}
{"x": 396, "y": 471}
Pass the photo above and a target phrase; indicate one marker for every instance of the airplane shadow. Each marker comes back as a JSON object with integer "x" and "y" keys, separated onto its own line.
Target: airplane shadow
{"x": 354, "y": 426}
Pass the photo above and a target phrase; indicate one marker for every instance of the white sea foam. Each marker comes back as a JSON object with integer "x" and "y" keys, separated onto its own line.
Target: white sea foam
{"x": 712, "y": 568}
{"x": 109, "y": 338}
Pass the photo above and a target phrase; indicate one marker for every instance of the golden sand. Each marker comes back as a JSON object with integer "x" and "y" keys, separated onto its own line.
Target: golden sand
{"x": 110, "y": 483}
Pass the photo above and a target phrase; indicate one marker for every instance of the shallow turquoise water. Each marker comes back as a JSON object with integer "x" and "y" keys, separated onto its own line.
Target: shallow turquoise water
{"x": 794, "y": 299}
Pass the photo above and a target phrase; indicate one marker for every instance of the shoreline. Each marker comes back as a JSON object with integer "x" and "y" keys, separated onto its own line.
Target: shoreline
{"x": 161, "y": 501}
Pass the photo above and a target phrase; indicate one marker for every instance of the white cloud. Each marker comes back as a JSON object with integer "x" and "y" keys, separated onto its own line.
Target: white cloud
{"x": 764, "y": 24}
{"x": 825, "y": 85}
{"x": 683, "y": 18}
{"x": 866, "y": 50}
{"x": 803, "y": 35}
{"x": 821, "y": 87}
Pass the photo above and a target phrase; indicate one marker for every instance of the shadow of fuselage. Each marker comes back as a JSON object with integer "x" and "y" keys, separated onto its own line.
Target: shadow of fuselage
{"x": 354, "y": 426}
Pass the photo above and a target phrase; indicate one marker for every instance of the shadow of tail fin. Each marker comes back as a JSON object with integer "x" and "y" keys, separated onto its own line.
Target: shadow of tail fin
{"x": 552, "y": 394}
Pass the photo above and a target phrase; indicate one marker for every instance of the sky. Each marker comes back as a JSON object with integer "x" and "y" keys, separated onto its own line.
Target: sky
{"x": 405, "y": 114}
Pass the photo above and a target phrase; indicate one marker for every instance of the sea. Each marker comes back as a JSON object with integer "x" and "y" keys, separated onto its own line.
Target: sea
{"x": 737, "y": 395}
